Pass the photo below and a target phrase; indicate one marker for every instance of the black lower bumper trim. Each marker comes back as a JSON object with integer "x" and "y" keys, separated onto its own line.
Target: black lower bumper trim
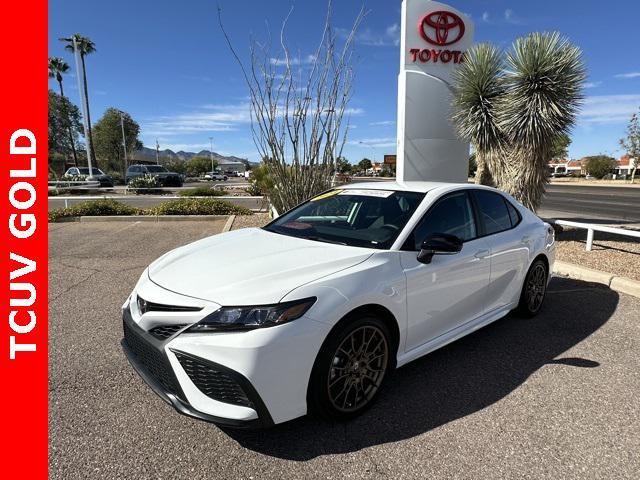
{"x": 264, "y": 419}
{"x": 183, "y": 407}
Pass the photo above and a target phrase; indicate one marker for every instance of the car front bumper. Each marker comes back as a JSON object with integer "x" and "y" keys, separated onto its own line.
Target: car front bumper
{"x": 248, "y": 379}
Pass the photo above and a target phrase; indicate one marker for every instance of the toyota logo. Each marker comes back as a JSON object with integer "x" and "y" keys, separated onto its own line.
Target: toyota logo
{"x": 435, "y": 28}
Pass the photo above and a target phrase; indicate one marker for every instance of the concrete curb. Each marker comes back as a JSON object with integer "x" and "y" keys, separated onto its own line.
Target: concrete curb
{"x": 614, "y": 282}
{"x": 229, "y": 224}
{"x": 152, "y": 218}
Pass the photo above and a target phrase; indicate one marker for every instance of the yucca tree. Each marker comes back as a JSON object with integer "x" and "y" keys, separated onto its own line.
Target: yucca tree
{"x": 58, "y": 67}
{"x": 477, "y": 89}
{"x": 85, "y": 47}
{"x": 512, "y": 110}
{"x": 544, "y": 76}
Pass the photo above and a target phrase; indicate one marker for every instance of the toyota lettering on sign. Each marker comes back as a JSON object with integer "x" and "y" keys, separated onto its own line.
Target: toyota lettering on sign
{"x": 434, "y": 37}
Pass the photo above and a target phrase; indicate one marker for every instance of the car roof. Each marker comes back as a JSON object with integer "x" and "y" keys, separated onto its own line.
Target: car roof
{"x": 421, "y": 187}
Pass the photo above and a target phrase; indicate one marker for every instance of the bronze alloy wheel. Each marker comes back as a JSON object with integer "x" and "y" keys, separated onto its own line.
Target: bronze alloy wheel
{"x": 357, "y": 369}
{"x": 536, "y": 287}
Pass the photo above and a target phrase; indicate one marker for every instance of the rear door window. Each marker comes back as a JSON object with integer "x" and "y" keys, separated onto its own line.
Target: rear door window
{"x": 514, "y": 215}
{"x": 493, "y": 211}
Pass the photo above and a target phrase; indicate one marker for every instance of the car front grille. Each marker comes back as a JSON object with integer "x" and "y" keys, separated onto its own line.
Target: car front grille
{"x": 165, "y": 331}
{"x": 153, "y": 359}
{"x": 145, "y": 306}
{"x": 212, "y": 381}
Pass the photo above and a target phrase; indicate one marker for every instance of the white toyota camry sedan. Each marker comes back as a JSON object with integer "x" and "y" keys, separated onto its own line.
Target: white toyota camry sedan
{"x": 330, "y": 297}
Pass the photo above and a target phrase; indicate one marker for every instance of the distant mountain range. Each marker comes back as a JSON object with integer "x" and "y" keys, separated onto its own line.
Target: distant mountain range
{"x": 149, "y": 154}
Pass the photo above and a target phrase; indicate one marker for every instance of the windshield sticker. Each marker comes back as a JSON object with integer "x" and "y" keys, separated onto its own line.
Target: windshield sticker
{"x": 328, "y": 194}
{"x": 368, "y": 193}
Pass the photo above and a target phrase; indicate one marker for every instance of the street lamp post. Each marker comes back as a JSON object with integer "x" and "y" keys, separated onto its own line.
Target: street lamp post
{"x": 211, "y": 153}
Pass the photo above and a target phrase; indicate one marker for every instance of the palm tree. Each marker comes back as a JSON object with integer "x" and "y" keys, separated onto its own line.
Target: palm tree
{"x": 513, "y": 110}
{"x": 85, "y": 47}
{"x": 57, "y": 67}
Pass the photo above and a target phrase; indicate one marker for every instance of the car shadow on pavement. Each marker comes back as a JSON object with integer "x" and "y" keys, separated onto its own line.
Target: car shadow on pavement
{"x": 455, "y": 381}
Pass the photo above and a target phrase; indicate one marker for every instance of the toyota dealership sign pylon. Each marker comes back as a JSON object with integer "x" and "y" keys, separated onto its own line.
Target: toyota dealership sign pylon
{"x": 433, "y": 40}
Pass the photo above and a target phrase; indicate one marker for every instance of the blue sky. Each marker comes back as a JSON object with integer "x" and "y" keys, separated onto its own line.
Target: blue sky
{"x": 166, "y": 63}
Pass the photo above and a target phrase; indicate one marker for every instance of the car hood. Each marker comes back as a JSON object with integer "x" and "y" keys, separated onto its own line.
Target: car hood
{"x": 250, "y": 266}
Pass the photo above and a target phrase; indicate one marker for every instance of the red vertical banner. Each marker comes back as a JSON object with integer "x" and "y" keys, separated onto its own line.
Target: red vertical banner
{"x": 23, "y": 246}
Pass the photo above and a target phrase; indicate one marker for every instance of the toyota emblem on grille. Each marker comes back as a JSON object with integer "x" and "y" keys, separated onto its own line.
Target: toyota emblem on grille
{"x": 436, "y": 28}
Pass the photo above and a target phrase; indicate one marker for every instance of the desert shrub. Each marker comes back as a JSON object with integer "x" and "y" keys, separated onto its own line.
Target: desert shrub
{"x": 254, "y": 190}
{"x": 202, "y": 192}
{"x": 94, "y": 208}
{"x": 198, "y": 206}
{"x": 144, "y": 185}
{"x": 73, "y": 178}
{"x": 117, "y": 177}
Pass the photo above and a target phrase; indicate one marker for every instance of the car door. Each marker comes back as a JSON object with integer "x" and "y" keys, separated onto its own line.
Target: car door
{"x": 449, "y": 291}
{"x": 509, "y": 247}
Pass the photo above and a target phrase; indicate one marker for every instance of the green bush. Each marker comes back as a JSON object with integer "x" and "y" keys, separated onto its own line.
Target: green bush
{"x": 181, "y": 206}
{"x": 145, "y": 184}
{"x": 94, "y": 208}
{"x": 117, "y": 177}
{"x": 600, "y": 165}
{"x": 202, "y": 192}
{"x": 198, "y": 206}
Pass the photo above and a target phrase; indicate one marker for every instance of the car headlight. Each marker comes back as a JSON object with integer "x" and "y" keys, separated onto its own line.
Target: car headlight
{"x": 248, "y": 318}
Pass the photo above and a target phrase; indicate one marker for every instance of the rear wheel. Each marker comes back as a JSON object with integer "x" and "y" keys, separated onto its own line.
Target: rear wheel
{"x": 350, "y": 369}
{"x": 534, "y": 289}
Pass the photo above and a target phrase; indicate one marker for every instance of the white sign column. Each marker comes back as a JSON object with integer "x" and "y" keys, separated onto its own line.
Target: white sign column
{"x": 434, "y": 37}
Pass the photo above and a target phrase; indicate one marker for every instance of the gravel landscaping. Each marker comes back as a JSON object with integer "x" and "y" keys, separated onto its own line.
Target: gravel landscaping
{"x": 611, "y": 253}
{"x": 248, "y": 221}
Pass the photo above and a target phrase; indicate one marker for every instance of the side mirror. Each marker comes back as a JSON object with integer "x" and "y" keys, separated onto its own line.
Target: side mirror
{"x": 439, "y": 244}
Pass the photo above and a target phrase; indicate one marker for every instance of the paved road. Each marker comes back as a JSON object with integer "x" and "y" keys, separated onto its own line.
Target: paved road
{"x": 615, "y": 204}
{"x": 554, "y": 397}
{"x": 586, "y": 203}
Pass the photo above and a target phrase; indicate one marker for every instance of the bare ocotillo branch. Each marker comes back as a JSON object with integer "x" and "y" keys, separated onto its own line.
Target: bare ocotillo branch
{"x": 298, "y": 105}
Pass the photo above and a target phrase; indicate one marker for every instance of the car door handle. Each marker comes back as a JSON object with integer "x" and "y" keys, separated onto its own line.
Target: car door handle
{"x": 480, "y": 254}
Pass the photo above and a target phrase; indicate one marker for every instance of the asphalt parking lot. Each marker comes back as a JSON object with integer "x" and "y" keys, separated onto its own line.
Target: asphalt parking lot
{"x": 557, "y": 396}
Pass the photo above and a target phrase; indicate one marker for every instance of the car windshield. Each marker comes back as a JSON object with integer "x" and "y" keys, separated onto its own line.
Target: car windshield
{"x": 358, "y": 218}
{"x": 85, "y": 171}
{"x": 156, "y": 168}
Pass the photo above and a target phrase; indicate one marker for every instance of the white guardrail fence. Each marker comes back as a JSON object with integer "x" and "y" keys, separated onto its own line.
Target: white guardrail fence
{"x": 72, "y": 184}
{"x": 591, "y": 228}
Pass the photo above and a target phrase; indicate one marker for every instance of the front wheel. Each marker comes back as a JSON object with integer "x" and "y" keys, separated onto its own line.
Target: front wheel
{"x": 350, "y": 369}
{"x": 534, "y": 289}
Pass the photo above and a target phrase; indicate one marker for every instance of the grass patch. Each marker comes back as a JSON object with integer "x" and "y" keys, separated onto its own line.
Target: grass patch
{"x": 202, "y": 192}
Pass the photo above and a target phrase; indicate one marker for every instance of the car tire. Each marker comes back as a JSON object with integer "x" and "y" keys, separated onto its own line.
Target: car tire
{"x": 534, "y": 289}
{"x": 344, "y": 381}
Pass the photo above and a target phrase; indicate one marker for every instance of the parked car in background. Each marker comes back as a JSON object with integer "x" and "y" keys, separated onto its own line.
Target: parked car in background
{"x": 216, "y": 176}
{"x": 335, "y": 294}
{"x": 164, "y": 176}
{"x": 97, "y": 175}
